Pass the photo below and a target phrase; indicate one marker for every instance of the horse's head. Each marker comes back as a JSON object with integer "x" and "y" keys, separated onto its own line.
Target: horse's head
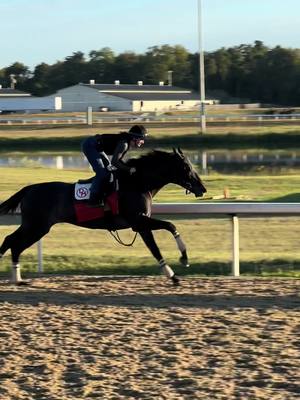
{"x": 185, "y": 174}
{"x": 158, "y": 168}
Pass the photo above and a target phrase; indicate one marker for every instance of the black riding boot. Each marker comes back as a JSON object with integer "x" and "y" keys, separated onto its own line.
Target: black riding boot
{"x": 94, "y": 200}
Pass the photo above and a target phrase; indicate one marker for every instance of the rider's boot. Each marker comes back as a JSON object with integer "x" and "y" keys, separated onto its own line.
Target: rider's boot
{"x": 94, "y": 200}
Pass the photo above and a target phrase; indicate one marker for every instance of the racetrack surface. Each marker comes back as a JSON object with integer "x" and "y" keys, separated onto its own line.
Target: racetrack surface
{"x": 84, "y": 337}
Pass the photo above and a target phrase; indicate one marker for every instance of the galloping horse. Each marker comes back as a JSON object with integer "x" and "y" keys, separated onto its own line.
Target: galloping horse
{"x": 45, "y": 204}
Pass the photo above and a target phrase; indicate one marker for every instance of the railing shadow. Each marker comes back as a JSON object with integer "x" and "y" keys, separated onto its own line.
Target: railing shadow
{"x": 159, "y": 301}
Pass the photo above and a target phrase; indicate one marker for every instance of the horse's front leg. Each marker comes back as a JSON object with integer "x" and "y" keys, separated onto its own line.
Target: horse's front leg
{"x": 149, "y": 240}
{"x": 181, "y": 246}
{"x": 156, "y": 224}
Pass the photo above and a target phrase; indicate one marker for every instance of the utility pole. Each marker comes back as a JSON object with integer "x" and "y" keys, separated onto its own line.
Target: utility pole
{"x": 201, "y": 71}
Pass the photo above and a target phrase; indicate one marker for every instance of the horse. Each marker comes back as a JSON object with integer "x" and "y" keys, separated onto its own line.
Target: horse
{"x": 44, "y": 204}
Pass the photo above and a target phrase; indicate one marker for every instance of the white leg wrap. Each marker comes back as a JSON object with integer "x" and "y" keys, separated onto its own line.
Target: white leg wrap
{"x": 16, "y": 273}
{"x": 167, "y": 269}
{"x": 180, "y": 243}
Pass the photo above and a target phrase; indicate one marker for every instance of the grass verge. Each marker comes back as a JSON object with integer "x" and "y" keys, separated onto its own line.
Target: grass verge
{"x": 70, "y": 138}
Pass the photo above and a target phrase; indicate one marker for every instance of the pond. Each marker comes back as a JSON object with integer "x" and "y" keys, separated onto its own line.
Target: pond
{"x": 231, "y": 162}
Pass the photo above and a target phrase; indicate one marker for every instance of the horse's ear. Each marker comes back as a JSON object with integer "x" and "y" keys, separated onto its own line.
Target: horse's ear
{"x": 178, "y": 152}
{"x": 175, "y": 151}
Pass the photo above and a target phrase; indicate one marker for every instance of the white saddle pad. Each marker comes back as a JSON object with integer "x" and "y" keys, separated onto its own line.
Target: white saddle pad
{"x": 82, "y": 191}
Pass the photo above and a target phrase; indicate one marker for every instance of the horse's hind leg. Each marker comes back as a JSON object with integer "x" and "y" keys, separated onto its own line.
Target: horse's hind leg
{"x": 5, "y": 245}
{"x": 18, "y": 241}
{"x": 8, "y": 243}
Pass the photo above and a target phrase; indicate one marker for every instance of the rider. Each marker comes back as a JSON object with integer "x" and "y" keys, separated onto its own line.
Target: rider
{"x": 97, "y": 149}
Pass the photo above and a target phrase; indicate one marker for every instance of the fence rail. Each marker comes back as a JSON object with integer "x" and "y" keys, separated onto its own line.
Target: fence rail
{"x": 156, "y": 119}
{"x": 215, "y": 210}
{"x": 231, "y": 210}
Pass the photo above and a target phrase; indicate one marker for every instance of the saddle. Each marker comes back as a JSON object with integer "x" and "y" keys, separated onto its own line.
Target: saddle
{"x": 87, "y": 213}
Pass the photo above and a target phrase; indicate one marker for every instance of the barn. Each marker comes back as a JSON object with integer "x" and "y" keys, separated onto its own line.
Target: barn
{"x": 13, "y": 100}
{"x": 126, "y": 97}
{"x": 11, "y": 93}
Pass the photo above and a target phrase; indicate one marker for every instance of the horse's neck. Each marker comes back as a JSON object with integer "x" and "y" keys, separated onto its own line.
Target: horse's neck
{"x": 146, "y": 180}
{"x": 153, "y": 183}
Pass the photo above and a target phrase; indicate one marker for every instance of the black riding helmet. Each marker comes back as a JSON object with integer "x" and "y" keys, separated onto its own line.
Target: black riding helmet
{"x": 138, "y": 132}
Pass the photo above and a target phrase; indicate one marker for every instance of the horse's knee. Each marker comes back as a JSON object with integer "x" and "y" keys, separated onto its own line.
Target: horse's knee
{"x": 171, "y": 228}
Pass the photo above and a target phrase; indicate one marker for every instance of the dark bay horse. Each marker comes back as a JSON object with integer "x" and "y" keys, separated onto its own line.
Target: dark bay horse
{"x": 45, "y": 204}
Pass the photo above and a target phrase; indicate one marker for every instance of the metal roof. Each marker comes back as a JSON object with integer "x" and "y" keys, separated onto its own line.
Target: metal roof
{"x": 156, "y": 96}
{"x": 135, "y": 88}
{"x": 12, "y": 92}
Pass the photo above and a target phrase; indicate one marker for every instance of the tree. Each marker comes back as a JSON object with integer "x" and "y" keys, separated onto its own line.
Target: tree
{"x": 126, "y": 68}
{"x": 39, "y": 84}
{"x": 100, "y": 65}
{"x": 159, "y": 60}
{"x": 281, "y": 76}
{"x": 17, "y": 71}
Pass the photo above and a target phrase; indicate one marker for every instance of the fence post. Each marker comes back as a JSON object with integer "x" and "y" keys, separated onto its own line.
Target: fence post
{"x": 235, "y": 269}
{"x": 40, "y": 256}
{"x": 89, "y": 116}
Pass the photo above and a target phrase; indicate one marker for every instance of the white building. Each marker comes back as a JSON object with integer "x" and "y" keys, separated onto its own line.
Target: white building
{"x": 12, "y": 100}
{"x": 121, "y": 97}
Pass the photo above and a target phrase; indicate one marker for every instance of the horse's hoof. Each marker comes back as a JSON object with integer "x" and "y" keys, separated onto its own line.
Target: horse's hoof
{"x": 184, "y": 261}
{"x": 175, "y": 280}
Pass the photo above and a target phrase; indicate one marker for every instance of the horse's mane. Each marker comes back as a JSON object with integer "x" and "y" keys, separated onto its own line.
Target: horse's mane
{"x": 152, "y": 158}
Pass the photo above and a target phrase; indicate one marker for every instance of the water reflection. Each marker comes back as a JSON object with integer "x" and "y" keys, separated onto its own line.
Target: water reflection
{"x": 243, "y": 161}
{"x": 74, "y": 161}
{"x": 208, "y": 161}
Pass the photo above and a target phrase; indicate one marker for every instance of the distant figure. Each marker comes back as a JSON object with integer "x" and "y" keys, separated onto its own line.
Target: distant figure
{"x": 97, "y": 148}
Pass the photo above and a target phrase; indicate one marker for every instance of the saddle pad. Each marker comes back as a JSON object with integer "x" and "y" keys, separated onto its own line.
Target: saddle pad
{"x": 82, "y": 191}
{"x": 87, "y": 213}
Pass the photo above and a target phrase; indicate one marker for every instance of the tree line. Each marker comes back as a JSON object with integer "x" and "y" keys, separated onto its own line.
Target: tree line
{"x": 246, "y": 72}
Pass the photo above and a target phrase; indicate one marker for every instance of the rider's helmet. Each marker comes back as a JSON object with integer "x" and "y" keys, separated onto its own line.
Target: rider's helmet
{"x": 138, "y": 132}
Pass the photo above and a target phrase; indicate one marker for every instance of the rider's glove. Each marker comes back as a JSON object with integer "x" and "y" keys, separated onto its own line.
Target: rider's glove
{"x": 111, "y": 168}
{"x": 132, "y": 170}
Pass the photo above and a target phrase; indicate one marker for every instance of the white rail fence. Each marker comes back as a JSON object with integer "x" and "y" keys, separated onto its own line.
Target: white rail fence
{"x": 213, "y": 210}
{"x": 90, "y": 120}
{"x": 232, "y": 211}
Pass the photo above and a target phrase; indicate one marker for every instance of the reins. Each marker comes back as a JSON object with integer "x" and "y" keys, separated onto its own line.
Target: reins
{"x": 116, "y": 236}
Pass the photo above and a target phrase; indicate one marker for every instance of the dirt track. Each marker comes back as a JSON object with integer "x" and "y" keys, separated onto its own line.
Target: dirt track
{"x": 139, "y": 338}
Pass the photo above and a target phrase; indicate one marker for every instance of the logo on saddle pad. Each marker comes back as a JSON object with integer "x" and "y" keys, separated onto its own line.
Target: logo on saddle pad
{"x": 82, "y": 191}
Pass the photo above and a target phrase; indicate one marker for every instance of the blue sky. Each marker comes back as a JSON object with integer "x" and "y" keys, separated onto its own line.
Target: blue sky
{"x": 35, "y": 31}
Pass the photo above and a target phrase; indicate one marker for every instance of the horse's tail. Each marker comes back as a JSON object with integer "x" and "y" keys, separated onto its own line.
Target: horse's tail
{"x": 11, "y": 204}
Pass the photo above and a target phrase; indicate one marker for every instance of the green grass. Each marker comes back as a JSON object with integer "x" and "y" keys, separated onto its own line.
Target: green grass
{"x": 57, "y": 138}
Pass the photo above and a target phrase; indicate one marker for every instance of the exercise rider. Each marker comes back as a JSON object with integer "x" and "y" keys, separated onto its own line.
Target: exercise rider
{"x": 97, "y": 148}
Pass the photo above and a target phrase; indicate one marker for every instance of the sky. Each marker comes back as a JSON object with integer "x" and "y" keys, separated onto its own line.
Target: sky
{"x": 36, "y": 31}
